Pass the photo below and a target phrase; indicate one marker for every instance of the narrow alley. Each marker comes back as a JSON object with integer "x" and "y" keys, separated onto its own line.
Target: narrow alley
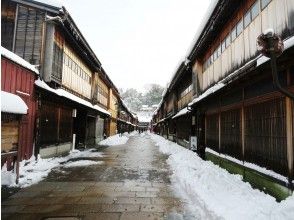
{"x": 131, "y": 183}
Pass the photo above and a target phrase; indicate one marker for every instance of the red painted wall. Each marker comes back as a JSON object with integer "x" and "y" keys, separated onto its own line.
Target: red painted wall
{"x": 17, "y": 80}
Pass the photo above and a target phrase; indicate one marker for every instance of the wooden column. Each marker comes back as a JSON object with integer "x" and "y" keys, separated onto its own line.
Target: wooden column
{"x": 243, "y": 128}
{"x": 289, "y": 131}
{"x": 219, "y": 132}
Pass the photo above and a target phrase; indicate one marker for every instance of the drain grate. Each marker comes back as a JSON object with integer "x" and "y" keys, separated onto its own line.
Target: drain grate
{"x": 62, "y": 218}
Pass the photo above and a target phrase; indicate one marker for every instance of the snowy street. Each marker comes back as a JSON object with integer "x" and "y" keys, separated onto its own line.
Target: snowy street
{"x": 141, "y": 176}
{"x": 131, "y": 181}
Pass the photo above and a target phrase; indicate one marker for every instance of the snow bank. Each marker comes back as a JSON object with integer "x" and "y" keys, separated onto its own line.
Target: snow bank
{"x": 17, "y": 59}
{"x": 115, "y": 140}
{"x": 12, "y": 103}
{"x": 34, "y": 170}
{"x": 219, "y": 193}
{"x": 250, "y": 165}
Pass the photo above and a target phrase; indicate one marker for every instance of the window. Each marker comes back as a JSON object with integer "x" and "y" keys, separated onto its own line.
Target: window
{"x": 28, "y": 35}
{"x": 239, "y": 27}
{"x": 223, "y": 45}
{"x": 255, "y": 10}
{"x": 234, "y": 33}
{"x": 264, "y": 3}
{"x": 215, "y": 55}
{"x": 228, "y": 41}
{"x": 247, "y": 18}
{"x": 219, "y": 51}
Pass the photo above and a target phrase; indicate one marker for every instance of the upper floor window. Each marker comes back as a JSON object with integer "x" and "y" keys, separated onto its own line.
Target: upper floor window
{"x": 239, "y": 27}
{"x": 234, "y": 33}
{"x": 28, "y": 34}
{"x": 264, "y": 3}
{"x": 247, "y": 19}
{"x": 228, "y": 40}
{"x": 255, "y": 10}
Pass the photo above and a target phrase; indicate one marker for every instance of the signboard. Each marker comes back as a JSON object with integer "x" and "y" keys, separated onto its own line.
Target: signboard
{"x": 193, "y": 143}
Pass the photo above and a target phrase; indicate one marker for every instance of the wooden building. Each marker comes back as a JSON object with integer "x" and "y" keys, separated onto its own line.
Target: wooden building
{"x": 17, "y": 77}
{"x": 236, "y": 110}
{"x": 76, "y": 98}
{"x": 126, "y": 120}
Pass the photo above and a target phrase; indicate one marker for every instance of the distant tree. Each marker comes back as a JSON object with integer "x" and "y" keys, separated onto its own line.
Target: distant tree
{"x": 154, "y": 94}
{"x": 134, "y": 99}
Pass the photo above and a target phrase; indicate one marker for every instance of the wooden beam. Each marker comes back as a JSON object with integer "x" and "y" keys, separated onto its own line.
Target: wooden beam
{"x": 289, "y": 131}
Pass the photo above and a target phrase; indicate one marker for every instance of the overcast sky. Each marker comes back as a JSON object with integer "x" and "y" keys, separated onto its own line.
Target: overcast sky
{"x": 139, "y": 41}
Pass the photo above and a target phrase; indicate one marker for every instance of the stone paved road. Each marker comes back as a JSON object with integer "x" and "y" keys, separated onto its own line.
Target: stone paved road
{"x": 132, "y": 183}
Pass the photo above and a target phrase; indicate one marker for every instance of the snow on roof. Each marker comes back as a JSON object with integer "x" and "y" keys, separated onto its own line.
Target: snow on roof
{"x": 17, "y": 59}
{"x": 11, "y": 103}
{"x": 203, "y": 23}
{"x": 53, "y": 3}
{"x": 63, "y": 93}
{"x": 209, "y": 91}
{"x": 181, "y": 112}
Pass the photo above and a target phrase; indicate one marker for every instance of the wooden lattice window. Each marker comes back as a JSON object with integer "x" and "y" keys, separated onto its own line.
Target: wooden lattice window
{"x": 212, "y": 132}
{"x": 28, "y": 36}
{"x": 231, "y": 133}
{"x": 265, "y": 135}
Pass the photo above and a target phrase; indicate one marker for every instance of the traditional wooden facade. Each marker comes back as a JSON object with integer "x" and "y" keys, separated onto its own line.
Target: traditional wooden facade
{"x": 126, "y": 120}
{"x": 74, "y": 92}
{"x": 18, "y": 79}
{"x": 236, "y": 109}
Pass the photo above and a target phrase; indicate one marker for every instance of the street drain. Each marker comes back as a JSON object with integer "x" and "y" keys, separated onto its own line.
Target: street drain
{"x": 62, "y": 218}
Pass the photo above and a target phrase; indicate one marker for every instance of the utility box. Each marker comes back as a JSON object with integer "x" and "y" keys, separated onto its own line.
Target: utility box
{"x": 193, "y": 143}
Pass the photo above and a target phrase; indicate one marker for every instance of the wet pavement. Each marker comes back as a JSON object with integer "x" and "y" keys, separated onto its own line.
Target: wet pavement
{"x": 132, "y": 183}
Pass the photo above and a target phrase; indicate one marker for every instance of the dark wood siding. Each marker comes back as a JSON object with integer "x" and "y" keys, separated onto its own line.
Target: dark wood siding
{"x": 265, "y": 135}
{"x": 20, "y": 81}
{"x": 56, "y": 124}
{"x": 28, "y": 40}
{"x": 8, "y": 9}
{"x": 231, "y": 133}
{"x": 212, "y": 131}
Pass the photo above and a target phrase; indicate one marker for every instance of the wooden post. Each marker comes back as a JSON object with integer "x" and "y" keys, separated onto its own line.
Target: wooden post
{"x": 219, "y": 132}
{"x": 289, "y": 131}
{"x": 205, "y": 130}
{"x": 243, "y": 127}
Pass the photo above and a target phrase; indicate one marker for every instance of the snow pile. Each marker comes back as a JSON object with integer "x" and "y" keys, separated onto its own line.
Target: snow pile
{"x": 12, "y": 103}
{"x": 68, "y": 95}
{"x": 34, "y": 170}
{"x": 219, "y": 193}
{"x": 17, "y": 59}
{"x": 115, "y": 140}
{"x": 81, "y": 163}
{"x": 250, "y": 165}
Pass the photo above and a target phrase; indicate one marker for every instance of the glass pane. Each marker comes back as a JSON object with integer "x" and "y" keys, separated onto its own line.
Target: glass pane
{"x": 255, "y": 10}
{"x": 223, "y": 45}
{"x": 264, "y": 3}
{"x": 215, "y": 55}
{"x": 247, "y": 19}
{"x": 234, "y": 33}
{"x": 228, "y": 41}
{"x": 219, "y": 51}
{"x": 239, "y": 27}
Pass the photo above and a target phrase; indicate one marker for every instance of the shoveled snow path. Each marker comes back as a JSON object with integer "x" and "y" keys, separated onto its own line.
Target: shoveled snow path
{"x": 221, "y": 194}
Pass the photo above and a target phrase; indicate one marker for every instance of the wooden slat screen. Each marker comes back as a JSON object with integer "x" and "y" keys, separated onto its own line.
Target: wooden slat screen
{"x": 28, "y": 40}
{"x": 231, "y": 133}
{"x": 265, "y": 135}
{"x": 212, "y": 132}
